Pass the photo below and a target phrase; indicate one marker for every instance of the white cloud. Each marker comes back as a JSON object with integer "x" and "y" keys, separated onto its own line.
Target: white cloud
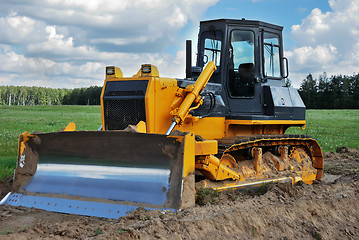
{"x": 319, "y": 55}
{"x": 58, "y": 46}
{"x": 18, "y": 29}
{"x": 326, "y": 41}
{"x": 118, "y": 19}
{"x": 18, "y": 69}
{"x": 68, "y": 43}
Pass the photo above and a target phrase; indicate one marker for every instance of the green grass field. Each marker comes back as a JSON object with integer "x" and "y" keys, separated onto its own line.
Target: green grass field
{"x": 332, "y": 128}
{"x": 15, "y": 120}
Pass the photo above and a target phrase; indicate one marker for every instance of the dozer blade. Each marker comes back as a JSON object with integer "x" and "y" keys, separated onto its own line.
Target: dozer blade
{"x": 99, "y": 173}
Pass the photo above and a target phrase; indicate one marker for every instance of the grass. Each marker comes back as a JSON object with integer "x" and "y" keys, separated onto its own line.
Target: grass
{"x": 207, "y": 195}
{"x": 262, "y": 189}
{"x": 15, "y": 120}
{"x": 120, "y": 230}
{"x": 99, "y": 231}
{"x": 332, "y": 128}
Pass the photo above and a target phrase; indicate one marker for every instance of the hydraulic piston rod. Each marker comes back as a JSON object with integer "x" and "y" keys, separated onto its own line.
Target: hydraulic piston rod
{"x": 193, "y": 96}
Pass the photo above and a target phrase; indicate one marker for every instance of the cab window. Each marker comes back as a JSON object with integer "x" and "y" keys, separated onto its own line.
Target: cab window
{"x": 212, "y": 47}
{"x": 271, "y": 54}
{"x": 212, "y": 51}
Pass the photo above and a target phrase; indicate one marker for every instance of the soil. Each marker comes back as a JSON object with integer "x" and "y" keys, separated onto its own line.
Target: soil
{"x": 328, "y": 209}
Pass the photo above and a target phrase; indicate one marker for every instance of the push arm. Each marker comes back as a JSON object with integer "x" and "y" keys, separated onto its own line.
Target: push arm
{"x": 193, "y": 96}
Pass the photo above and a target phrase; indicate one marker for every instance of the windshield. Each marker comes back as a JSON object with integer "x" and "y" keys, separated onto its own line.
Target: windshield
{"x": 242, "y": 43}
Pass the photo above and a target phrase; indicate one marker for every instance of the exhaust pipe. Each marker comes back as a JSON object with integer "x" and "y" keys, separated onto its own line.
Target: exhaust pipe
{"x": 188, "y": 59}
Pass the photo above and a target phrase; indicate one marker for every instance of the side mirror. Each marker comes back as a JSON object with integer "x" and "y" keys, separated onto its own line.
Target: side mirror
{"x": 286, "y": 67}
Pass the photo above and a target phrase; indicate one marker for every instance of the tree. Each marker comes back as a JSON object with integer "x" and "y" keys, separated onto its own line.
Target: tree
{"x": 324, "y": 95}
{"x": 308, "y": 90}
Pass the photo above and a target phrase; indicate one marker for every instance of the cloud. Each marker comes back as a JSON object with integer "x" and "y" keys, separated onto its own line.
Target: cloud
{"x": 19, "y": 29}
{"x": 326, "y": 41}
{"x": 126, "y": 19}
{"x": 68, "y": 43}
{"x": 59, "y": 47}
{"x": 311, "y": 58}
{"x": 88, "y": 70}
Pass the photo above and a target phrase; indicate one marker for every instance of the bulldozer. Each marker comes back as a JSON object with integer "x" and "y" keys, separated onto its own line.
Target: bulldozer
{"x": 221, "y": 127}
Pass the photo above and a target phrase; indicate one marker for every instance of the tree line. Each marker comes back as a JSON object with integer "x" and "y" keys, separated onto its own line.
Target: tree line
{"x": 21, "y": 95}
{"x": 335, "y": 92}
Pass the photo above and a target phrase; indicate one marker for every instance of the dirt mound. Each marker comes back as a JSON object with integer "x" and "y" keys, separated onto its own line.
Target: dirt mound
{"x": 328, "y": 209}
{"x": 344, "y": 149}
{"x": 344, "y": 161}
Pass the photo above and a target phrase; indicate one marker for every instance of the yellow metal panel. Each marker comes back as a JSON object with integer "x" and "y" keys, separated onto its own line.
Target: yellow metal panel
{"x": 218, "y": 127}
{"x": 164, "y": 93}
{"x": 207, "y": 147}
{"x": 248, "y": 127}
{"x": 208, "y": 127}
{"x": 150, "y": 105}
{"x": 141, "y": 127}
{"x": 266, "y": 122}
{"x": 70, "y": 127}
{"x": 189, "y": 154}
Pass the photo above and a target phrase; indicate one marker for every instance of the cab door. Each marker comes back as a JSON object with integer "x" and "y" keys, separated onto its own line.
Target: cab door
{"x": 243, "y": 88}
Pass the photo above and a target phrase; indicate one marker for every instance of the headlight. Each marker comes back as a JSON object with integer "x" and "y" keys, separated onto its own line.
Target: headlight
{"x": 110, "y": 70}
{"x": 146, "y": 68}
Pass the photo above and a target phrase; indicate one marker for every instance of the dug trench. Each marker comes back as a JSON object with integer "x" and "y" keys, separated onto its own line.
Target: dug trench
{"x": 328, "y": 209}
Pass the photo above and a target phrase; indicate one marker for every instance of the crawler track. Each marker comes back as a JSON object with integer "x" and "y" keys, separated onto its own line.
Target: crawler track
{"x": 243, "y": 144}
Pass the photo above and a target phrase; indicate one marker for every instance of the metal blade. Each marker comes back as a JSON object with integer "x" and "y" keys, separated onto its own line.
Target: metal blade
{"x": 106, "y": 173}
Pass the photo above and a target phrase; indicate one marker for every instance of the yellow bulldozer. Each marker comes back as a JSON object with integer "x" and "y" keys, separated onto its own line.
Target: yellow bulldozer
{"x": 222, "y": 127}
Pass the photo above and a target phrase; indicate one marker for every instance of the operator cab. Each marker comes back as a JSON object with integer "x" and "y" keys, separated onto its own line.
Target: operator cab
{"x": 251, "y": 69}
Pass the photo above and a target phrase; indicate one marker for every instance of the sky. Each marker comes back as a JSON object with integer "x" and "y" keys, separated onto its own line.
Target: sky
{"x": 68, "y": 43}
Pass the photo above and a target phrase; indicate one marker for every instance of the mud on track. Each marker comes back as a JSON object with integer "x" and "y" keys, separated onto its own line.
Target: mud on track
{"x": 328, "y": 209}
